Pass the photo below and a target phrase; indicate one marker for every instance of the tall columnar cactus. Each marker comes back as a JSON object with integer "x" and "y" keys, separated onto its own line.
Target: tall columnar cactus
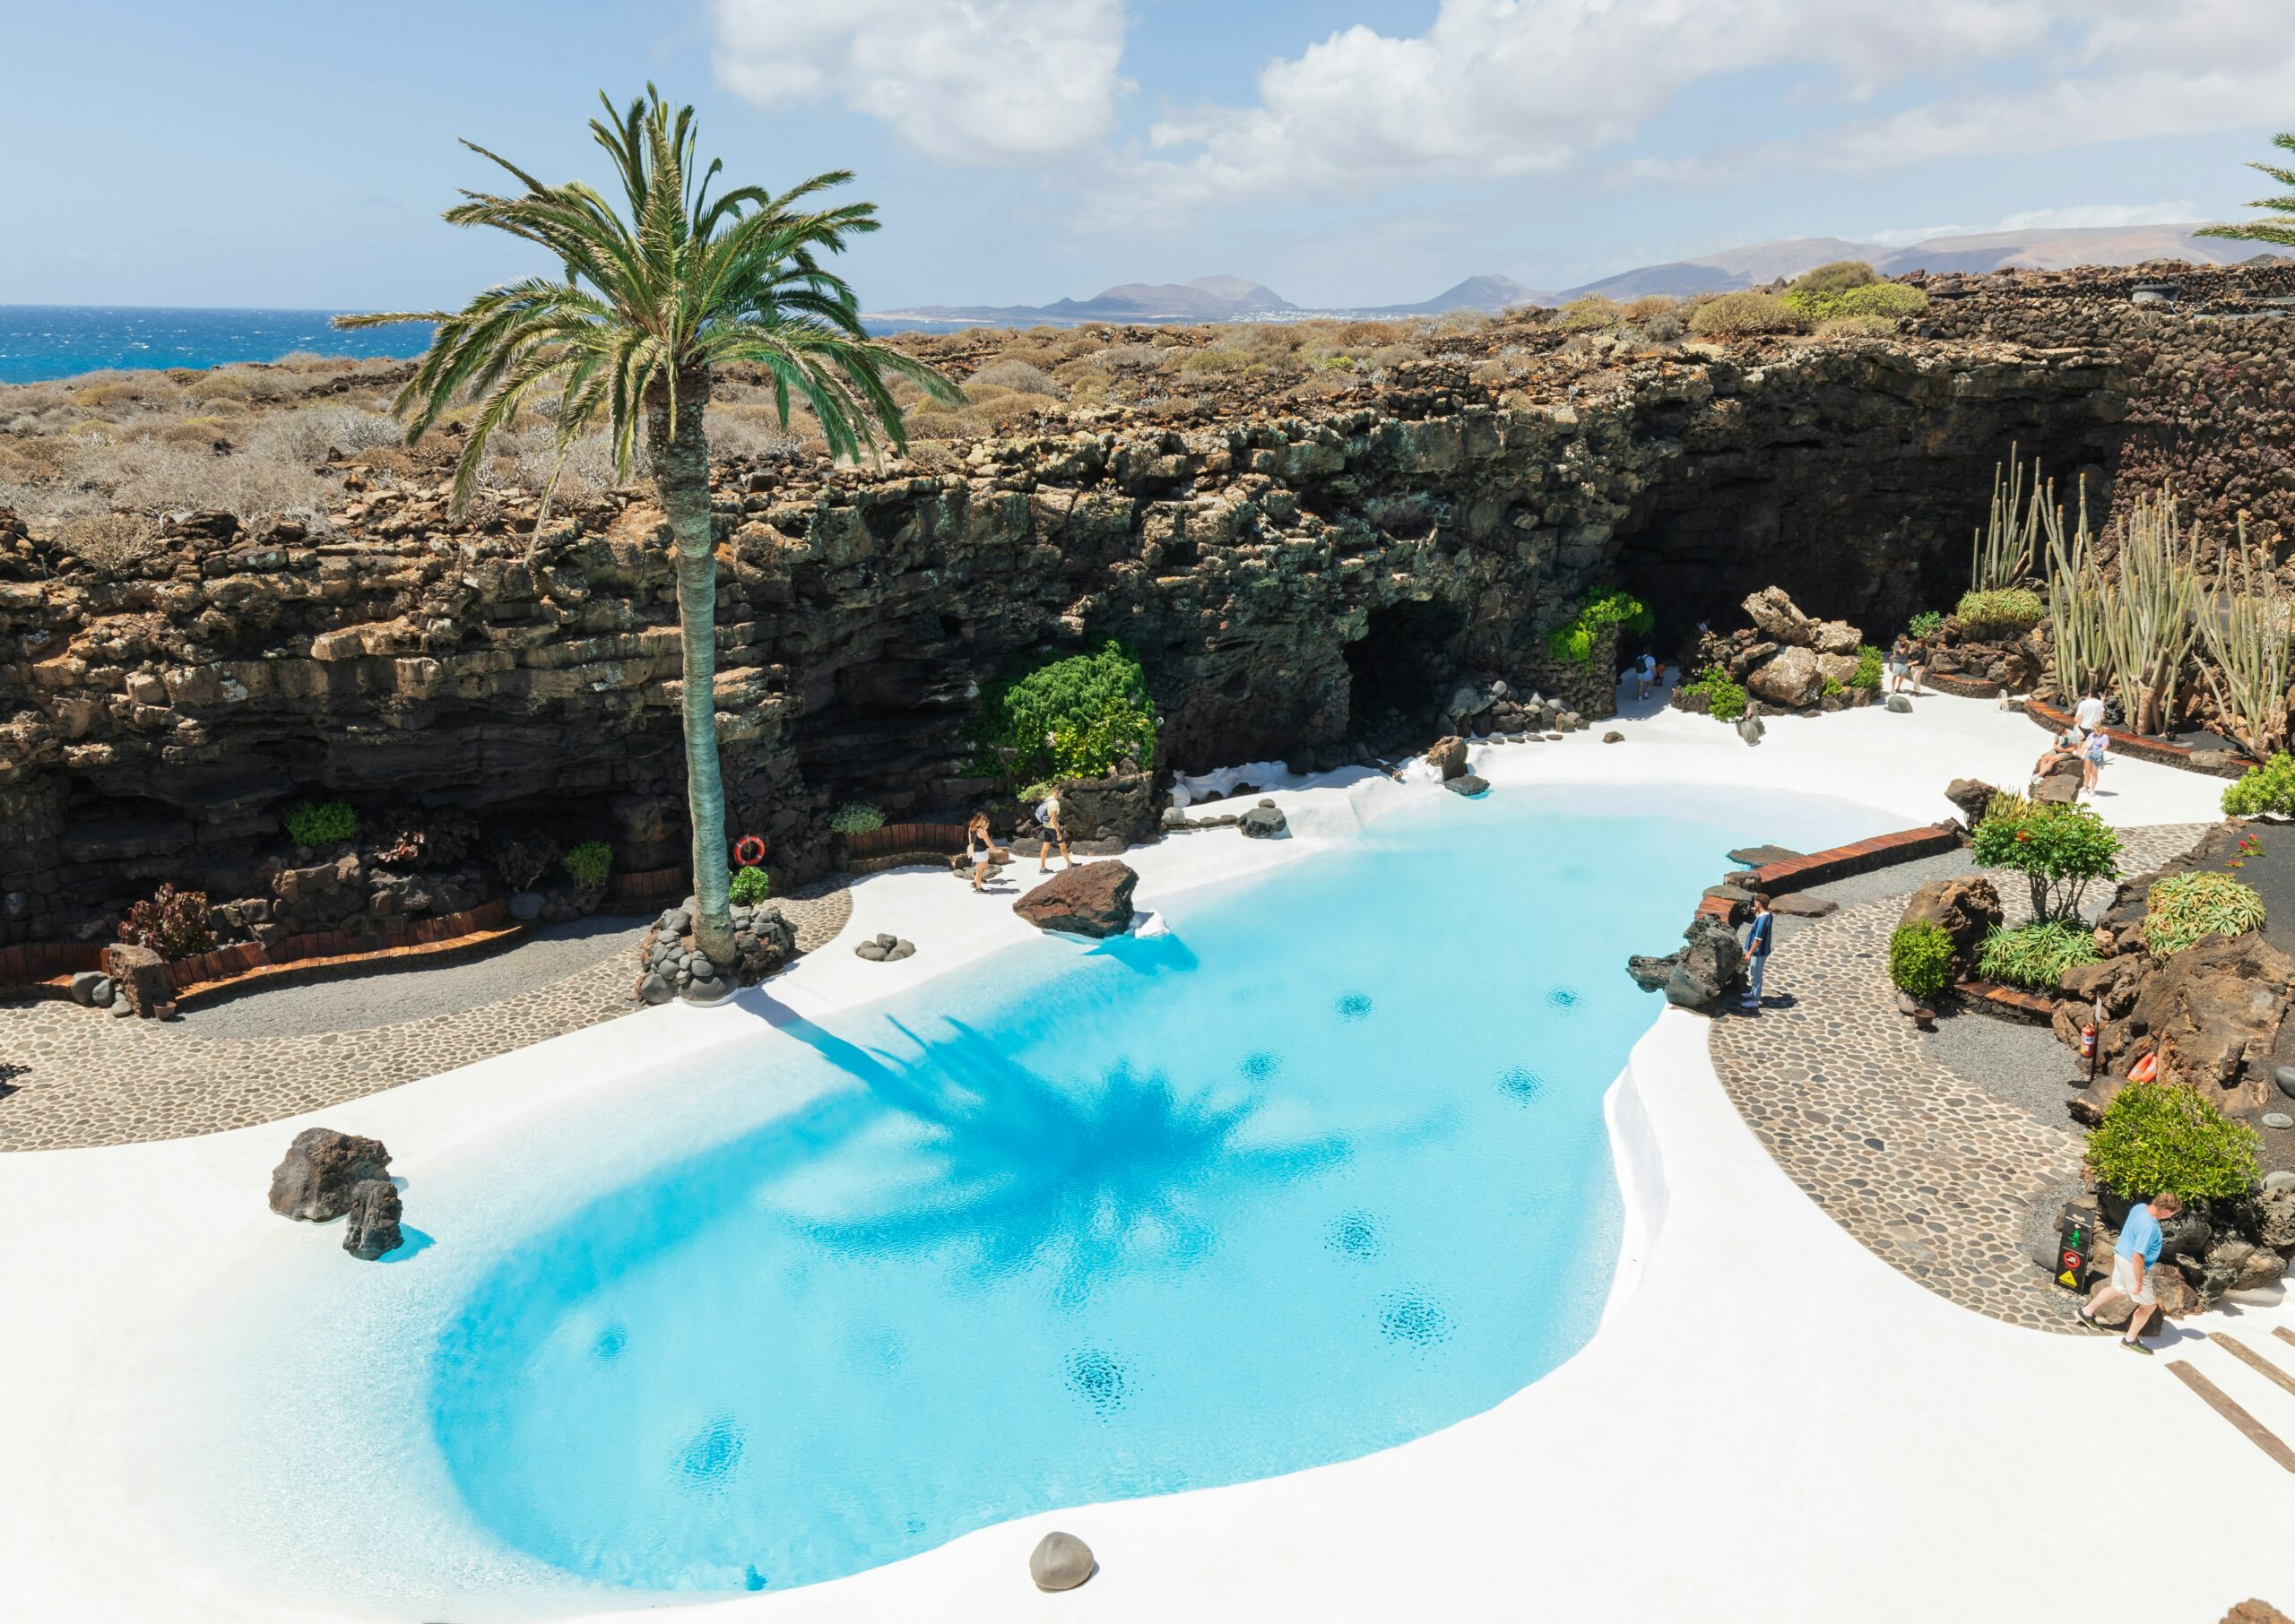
{"x": 2075, "y": 606}
{"x": 2150, "y": 609}
{"x": 2248, "y": 623}
{"x": 2004, "y": 552}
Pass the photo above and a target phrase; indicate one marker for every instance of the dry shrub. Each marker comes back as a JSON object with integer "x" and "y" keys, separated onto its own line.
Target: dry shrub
{"x": 1837, "y": 277}
{"x": 1650, "y": 306}
{"x": 1365, "y": 335}
{"x": 114, "y": 542}
{"x": 1857, "y": 326}
{"x": 1388, "y": 356}
{"x": 934, "y": 456}
{"x": 1743, "y": 314}
{"x": 1211, "y": 360}
{"x": 1013, "y": 406}
{"x": 1591, "y": 314}
{"x": 1011, "y": 373}
{"x": 221, "y": 385}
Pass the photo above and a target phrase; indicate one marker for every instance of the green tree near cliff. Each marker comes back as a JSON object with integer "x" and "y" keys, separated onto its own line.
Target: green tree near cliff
{"x": 2281, "y": 227}
{"x": 649, "y": 306}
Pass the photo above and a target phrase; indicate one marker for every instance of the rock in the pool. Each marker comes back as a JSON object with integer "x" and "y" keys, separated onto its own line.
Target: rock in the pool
{"x": 1094, "y": 899}
{"x": 322, "y": 1167}
{"x": 372, "y": 1228}
{"x": 1468, "y": 784}
{"x": 1060, "y": 1562}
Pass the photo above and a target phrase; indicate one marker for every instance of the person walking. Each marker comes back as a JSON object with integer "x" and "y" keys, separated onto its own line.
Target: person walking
{"x": 2088, "y": 715}
{"x": 1645, "y": 675}
{"x": 980, "y": 850}
{"x": 1760, "y": 936}
{"x": 1049, "y": 833}
{"x": 2092, "y": 760}
{"x": 2134, "y": 1258}
{"x": 1900, "y": 662}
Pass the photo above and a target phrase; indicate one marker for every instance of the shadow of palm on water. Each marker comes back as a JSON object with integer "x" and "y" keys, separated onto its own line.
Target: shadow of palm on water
{"x": 1097, "y": 1180}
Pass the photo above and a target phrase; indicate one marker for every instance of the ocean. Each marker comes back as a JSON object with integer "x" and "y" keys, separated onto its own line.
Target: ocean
{"x": 42, "y": 342}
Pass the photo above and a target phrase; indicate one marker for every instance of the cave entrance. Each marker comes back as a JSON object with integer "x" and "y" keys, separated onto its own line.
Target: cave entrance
{"x": 1399, "y": 671}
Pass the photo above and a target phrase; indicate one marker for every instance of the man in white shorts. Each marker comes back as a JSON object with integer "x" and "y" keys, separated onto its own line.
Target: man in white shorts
{"x": 2133, "y": 1260}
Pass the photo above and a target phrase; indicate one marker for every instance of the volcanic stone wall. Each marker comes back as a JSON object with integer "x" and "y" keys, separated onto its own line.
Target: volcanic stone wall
{"x": 2209, "y": 376}
{"x": 1289, "y": 583}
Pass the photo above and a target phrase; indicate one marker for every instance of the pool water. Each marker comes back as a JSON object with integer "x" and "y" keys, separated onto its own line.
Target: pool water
{"x": 1319, "y": 1171}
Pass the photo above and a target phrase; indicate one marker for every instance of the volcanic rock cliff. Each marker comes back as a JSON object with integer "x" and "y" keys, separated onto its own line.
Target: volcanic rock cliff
{"x": 1288, "y": 582}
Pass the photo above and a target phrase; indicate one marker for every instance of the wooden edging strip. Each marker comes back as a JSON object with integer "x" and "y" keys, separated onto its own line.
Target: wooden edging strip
{"x": 2282, "y": 1333}
{"x": 2164, "y": 752}
{"x": 2253, "y": 1360}
{"x": 2262, "y": 1436}
{"x": 319, "y": 969}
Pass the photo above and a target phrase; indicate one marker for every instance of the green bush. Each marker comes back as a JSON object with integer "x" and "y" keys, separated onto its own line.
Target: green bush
{"x": 1573, "y": 640}
{"x": 2007, "y": 608}
{"x": 321, "y": 823}
{"x": 172, "y": 923}
{"x": 855, "y": 817}
{"x": 589, "y": 862}
{"x": 2057, "y": 850}
{"x": 749, "y": 887}
{"x": 2182, "y": 908}
{"x": 2157, "y": 1136}
{"x": 1920, "y": 958}
{"x": 1728, "y": 699}
{"x": 1838, "y": 276}
{"x": 1072, "y": 718}
{"x": 1829, "y": 686}
{"x": 1743, "y": 314}
{"x": 2035, "y": 956}
{"x": 1872, "y": 301}
{"x": 1867, "y": 674}
{"x": 2269, "y": 788}
{"x": 1926, "y": 624}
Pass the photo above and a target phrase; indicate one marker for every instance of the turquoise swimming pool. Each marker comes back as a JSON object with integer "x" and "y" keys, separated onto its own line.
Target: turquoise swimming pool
{"x": 1319, "y": 1171}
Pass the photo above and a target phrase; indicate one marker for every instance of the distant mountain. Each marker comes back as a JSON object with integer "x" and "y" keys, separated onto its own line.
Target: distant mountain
{"x": 1206, "y": 299}
{"x": 2051, "y": 250}
{"x": 1492, "y": 292}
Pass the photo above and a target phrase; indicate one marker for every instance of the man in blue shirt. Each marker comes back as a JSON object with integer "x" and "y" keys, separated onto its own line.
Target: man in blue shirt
{"x": 2133, "y": 1260}
{"x": 1759, "y": 937}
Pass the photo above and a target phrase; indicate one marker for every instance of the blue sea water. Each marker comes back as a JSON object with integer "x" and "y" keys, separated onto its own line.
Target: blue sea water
{"x": 1322, "y": 1170}
{"x": 40, "y": 342}
{"x": 43, "y": 341}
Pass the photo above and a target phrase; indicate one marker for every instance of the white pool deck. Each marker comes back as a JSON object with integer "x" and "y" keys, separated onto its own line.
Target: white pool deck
{"x": 1772, "y": 1425}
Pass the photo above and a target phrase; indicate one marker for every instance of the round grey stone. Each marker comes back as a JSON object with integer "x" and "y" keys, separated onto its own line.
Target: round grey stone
{"x": 873, "y": 951}
{"x": 701, "y": 969}
{"x": 2278, "y": 1119}
{"x": 1901, "y": 705}
{"x": 2280, "y": 1179}
{"x": 707, "y": 989}
{"x": 653, "y": 989}
{"x": 886, "y": 940}
{"x": 901, "y": 950}
{"x": 2284, "y": 1076}
{"x": 1060, "y": 1562}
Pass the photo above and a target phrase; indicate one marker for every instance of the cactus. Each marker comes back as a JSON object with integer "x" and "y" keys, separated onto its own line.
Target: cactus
{"x": 2002, "y": 553}
{"x": 2248, "y": 623}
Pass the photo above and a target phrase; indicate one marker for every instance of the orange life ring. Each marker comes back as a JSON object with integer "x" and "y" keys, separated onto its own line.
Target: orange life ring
{"x": 2145, "y": 1069}
{"x": 749, "y": 852}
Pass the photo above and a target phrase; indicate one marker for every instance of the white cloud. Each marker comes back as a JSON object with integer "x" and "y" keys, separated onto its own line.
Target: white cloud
{"x": 963, "y": 81}
{"x": 1510, "y": 87}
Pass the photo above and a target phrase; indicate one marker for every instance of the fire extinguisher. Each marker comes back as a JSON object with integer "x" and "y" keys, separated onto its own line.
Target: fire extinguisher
{"x": 2088, "y": 1041}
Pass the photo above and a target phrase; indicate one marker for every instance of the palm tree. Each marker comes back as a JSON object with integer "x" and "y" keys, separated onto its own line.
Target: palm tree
{"x": 648, "y": 308}
{"x": 2280, "y": 229}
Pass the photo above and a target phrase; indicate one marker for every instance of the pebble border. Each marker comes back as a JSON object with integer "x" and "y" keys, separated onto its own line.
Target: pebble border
{"x": 81, "y": 1077}
{"x": 1926, "y": 1170}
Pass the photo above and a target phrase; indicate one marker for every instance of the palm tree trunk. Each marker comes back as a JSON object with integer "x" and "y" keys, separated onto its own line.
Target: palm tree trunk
{"x": 681, "y": 480}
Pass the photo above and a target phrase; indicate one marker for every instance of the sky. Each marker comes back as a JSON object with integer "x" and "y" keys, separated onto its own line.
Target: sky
{"x": 1341, "y": 152}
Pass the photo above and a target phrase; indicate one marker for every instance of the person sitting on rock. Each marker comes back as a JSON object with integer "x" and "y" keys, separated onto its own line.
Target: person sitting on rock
{"x": 2136, "y": 1252}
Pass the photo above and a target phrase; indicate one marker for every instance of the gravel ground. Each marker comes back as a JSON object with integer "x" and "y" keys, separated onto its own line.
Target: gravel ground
{"x": 376, "y": 999}
{"x": 2018, "y": 1063}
